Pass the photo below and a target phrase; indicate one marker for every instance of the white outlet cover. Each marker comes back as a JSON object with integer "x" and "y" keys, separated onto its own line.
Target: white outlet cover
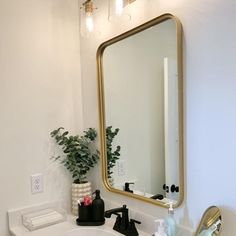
{"x": 36, "y": 183}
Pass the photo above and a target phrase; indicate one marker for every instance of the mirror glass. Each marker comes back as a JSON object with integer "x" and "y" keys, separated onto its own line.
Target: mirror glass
{"x": 211, "y": 222}
{"x": 140, "y": 91}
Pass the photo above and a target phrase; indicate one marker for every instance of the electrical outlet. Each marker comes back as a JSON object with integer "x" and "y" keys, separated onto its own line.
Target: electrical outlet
{"x": 36, "y": 183}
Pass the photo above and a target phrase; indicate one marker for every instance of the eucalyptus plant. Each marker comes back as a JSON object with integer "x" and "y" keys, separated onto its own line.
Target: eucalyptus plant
{"x": 79, "y": 152}
{"x": 113, "y": 154}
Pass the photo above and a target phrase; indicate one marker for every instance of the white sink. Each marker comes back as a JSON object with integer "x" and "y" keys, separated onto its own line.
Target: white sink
{"x": 91, "y": 232}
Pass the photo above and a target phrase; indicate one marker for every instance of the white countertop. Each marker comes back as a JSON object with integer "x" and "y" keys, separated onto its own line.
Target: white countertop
{"x": 58, "y": 229}
{"x": 61, "y": 229}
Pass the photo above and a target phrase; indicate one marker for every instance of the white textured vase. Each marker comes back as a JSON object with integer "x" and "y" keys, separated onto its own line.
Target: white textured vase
{"x": 78, "y": 192}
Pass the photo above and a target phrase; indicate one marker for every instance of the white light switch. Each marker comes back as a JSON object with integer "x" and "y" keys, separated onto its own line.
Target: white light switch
{"x": 36, "y": 183}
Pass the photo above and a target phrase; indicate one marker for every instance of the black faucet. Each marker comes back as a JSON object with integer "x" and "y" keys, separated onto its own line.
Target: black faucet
{"x": 123, "y": 225}
{"x": 126, "y": 188}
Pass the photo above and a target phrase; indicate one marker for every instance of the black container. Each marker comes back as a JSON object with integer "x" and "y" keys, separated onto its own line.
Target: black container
{"x": 85, "y": 212}
{"x": 98, "y": 208}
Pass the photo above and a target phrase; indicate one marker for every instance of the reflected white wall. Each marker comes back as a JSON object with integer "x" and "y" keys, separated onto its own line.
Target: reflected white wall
{"x": 134, "y": 102}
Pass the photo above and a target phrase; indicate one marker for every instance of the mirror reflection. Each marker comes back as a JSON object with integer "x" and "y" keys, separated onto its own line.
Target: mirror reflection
{"x": 140, "y": 82}
{"x": 211, "y": 222}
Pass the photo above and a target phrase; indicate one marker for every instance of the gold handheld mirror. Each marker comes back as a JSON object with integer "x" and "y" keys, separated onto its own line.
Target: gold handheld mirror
{"x": 211, "y": 221}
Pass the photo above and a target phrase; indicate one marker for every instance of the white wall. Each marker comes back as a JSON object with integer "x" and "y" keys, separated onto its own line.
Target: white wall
{"x": 39, "y": 91}
{"x": 210, "y": 115}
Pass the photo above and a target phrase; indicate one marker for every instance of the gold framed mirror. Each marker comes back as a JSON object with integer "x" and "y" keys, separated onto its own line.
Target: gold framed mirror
{"x": 140, "y": 89}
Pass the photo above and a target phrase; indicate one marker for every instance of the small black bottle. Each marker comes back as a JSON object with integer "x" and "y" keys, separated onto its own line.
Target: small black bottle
{"x": 98, "y": 208}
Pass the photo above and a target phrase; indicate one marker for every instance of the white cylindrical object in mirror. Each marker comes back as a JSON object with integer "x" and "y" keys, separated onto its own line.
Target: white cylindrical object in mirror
{"x": 171, "y": 125}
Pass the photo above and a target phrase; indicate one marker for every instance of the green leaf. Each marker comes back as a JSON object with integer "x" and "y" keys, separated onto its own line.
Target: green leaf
{"x": 112, "y": 156}
{"x": 80, "y": 152}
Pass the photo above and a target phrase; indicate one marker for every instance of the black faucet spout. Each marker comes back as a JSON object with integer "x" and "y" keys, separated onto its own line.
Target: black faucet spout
{"x": 115, "y": 210}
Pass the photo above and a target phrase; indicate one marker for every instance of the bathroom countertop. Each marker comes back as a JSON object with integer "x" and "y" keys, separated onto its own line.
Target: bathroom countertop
{"x": 60, "y": 229}
{"x": 56, "y": 229}
{"x": 17, "y": 229}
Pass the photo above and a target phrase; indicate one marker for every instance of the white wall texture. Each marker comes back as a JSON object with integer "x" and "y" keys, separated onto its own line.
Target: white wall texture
{"x": 210, "y": 114}
{"x": 39, "y": 91}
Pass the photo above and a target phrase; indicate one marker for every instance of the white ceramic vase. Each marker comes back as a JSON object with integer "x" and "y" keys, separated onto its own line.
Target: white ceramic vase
{"x": 78, "y": 192}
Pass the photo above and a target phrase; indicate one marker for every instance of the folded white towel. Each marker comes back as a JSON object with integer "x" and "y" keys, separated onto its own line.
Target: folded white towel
{"x": 46, "y": 219}
{"x": 42, "y": 219}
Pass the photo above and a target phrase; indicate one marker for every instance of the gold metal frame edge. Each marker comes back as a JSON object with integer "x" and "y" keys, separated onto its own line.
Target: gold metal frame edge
{"x": 101, "y": 106}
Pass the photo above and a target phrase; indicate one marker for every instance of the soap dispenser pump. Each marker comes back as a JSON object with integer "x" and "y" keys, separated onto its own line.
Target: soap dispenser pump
{"x": 170, "y": 221}
{"x": 160, "y": 228}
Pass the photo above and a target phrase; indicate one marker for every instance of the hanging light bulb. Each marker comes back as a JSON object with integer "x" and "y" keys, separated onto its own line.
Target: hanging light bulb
{"x": 119, "y": 10}
{"x": 87, "y": 27}
{"x": 89, "y": 23}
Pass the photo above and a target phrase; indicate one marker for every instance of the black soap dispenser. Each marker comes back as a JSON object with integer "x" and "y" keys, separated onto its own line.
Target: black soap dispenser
{"x": 98, "y": 208}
